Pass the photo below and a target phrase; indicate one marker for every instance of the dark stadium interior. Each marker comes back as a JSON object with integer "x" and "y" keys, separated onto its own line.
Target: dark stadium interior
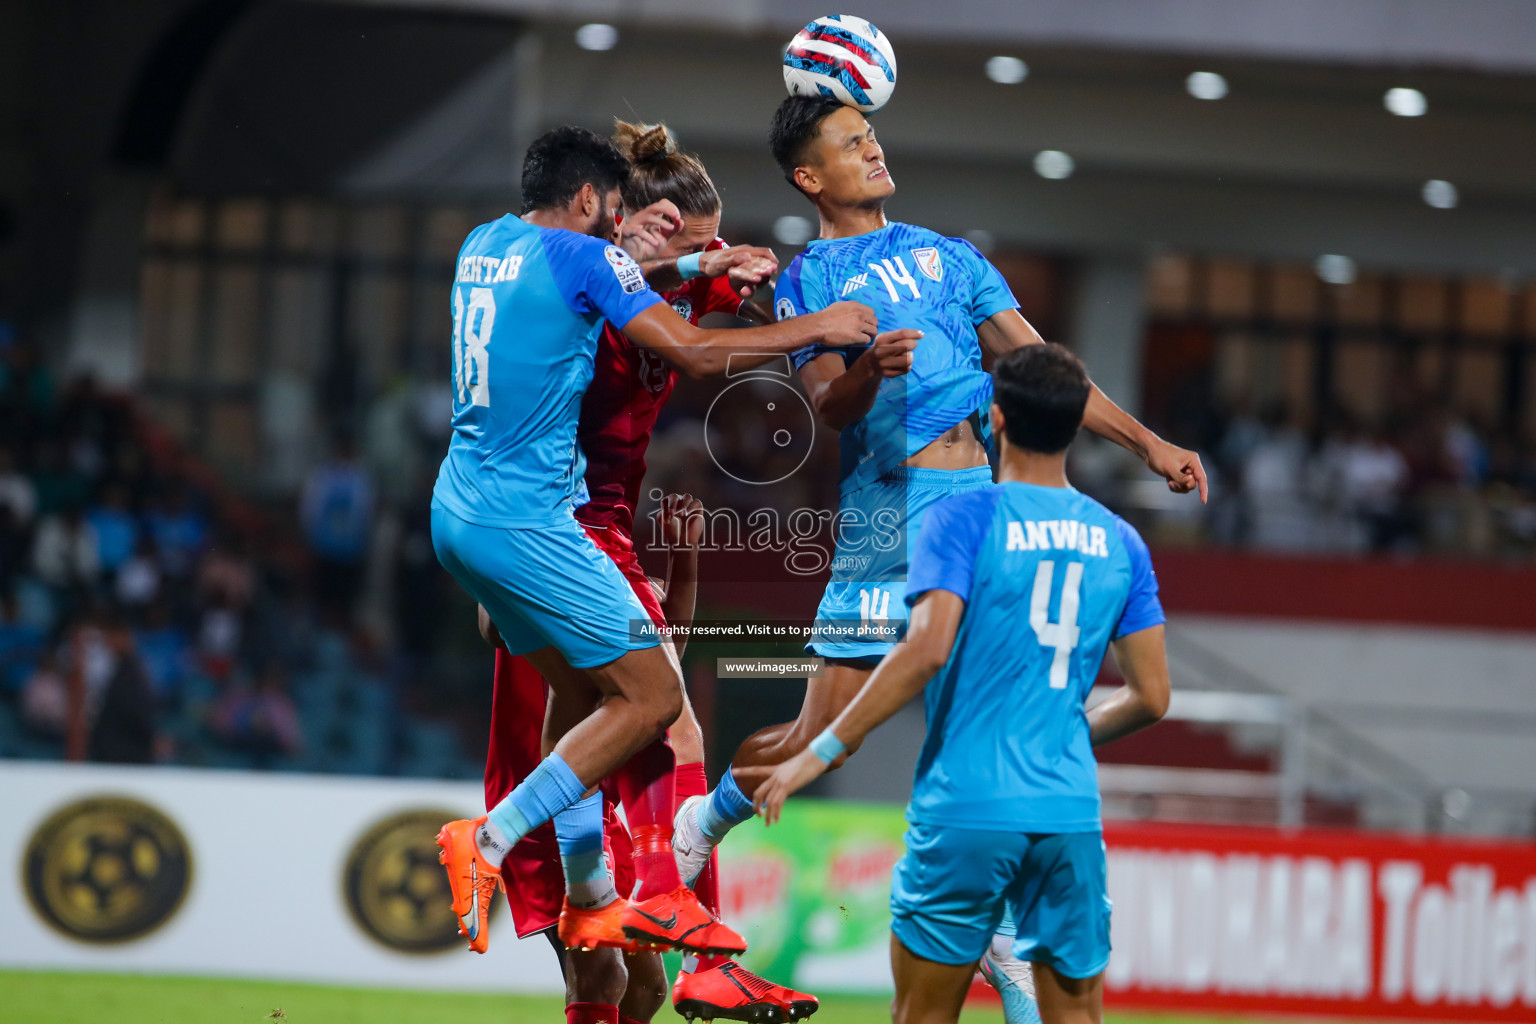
{"x": 222, "y": 283}
{"x": 228, "y": 232}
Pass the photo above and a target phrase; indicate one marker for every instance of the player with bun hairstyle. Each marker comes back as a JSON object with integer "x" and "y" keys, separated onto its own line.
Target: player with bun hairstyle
{"x": 529, "y": 300}
{"x": 697, "y": 273}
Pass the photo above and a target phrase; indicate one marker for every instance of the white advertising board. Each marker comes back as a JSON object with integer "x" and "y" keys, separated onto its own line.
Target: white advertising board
{"x": 241, "y": 875}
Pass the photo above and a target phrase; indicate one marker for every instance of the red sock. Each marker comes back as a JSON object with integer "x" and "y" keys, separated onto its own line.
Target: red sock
{"x": 647, "y": 790}
{"x": 707, "y": 888}
{"x": 591, "y": 1013}
{"x": 691, "y": 781}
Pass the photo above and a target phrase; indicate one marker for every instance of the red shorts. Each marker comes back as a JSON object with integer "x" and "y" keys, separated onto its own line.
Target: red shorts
{"x": 532, "y": 872}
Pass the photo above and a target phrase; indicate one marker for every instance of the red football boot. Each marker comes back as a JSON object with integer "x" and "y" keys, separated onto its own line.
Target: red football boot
{"x": 677, "y": 920}
{"x": 731, "y": 992}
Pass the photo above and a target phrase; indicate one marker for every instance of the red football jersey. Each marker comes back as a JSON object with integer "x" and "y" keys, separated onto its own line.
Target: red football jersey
{"x": 629, "y": 386}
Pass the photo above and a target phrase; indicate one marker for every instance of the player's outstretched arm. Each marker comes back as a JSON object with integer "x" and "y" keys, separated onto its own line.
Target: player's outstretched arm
{"x": 703, "y": 352}
{"x": 682, "y": 528}
{"x": 843, "y": 393}
{"x": 899, "y": 677}
{"x": 1005, "y": 331}
{"x": 1143, "y": 700}
{"x": 749, "y": 267}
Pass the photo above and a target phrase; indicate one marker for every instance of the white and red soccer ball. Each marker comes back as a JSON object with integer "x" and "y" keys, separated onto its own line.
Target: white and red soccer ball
{"x": 844, "y": 58}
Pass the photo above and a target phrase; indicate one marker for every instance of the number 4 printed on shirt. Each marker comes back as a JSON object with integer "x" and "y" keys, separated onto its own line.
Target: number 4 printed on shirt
{"x": 1060, "y": 635}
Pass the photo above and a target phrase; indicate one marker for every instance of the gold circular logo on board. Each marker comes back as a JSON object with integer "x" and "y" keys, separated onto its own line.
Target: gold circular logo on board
{"x": 107, "y": 869}
{"x": 396, "y": 889}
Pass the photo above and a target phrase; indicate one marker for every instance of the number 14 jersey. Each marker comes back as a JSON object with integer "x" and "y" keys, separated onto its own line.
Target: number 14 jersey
{"x": 912, "y": 278}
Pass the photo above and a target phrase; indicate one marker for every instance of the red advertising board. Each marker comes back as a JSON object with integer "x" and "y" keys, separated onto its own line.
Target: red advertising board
{"x": 1328, "y": 923}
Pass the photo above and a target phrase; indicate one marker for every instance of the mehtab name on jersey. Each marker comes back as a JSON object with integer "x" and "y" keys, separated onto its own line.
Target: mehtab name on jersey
{"x": 1058, "y": 535}
{"x": 489, "y": 269}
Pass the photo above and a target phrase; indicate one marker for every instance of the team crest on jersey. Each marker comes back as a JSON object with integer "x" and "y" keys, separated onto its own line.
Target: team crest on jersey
{"x": 928, "y": 262}
{"x": 631, "y": 277}
{"x": 784, "y": 309}
{"x": 684, "y": 307}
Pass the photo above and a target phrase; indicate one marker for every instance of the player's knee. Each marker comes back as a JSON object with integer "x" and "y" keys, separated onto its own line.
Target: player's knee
{"x": 654, "y": 709}
{"x": 665, "y": 706}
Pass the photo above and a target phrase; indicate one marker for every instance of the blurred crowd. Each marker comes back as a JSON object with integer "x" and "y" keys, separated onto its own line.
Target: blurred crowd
{"x": 1422, "y": 480}
{"x": 1428, "y": 480}
{"x": 149, "y": 615}
{"x": 152, "y": 612}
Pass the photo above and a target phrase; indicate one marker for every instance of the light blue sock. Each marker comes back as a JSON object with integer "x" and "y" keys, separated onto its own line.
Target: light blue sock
{"x": 579, "y": 831}
{"x": 726, "y": 808}
{"x": 1013, "y": 979}
{"x": 549, "y": 789}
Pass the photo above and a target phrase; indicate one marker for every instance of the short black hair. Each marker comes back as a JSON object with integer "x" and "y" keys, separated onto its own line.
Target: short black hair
{"x": 795, "y": 124}
{"x": 562, "y": 160}
{"x": 1042, "y": 391}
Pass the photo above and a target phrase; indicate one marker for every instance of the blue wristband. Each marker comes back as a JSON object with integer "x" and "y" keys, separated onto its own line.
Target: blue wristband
{"x": 827, "y": 746}
{"x": 688, "y": 266}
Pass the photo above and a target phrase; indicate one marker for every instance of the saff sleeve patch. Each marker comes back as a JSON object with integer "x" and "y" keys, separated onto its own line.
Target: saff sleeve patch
{"x": 631, "y": 277}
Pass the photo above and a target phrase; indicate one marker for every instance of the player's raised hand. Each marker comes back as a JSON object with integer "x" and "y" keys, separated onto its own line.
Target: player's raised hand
{"x": 1179, "y": 466}
{"x": 845, "y": 323}
{"x": 644, "y": 234}
{"x": 748, "y": 266}
{"x": 682, "y": 521}
{"x": 787, "y": 779}
{"x": 891, "y": 353}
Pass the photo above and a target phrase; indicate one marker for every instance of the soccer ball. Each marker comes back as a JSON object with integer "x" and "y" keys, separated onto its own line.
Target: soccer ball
{"x": 844, "y": 58}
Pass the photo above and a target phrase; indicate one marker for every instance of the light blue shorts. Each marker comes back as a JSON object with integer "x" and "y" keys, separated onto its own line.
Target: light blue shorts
{"x": 950, "y": 893}
{"x": 545, "y": 586}
{"x": 863, "y": 612}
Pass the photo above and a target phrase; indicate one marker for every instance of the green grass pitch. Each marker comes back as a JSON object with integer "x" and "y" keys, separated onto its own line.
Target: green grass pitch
{"x": 46, "y": 997}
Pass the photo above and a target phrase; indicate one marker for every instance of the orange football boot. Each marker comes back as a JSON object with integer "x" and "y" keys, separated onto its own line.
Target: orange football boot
{"x": 677, "y": 920}
{"x": 473, "y": 879}
{"x": 597, "y": 928}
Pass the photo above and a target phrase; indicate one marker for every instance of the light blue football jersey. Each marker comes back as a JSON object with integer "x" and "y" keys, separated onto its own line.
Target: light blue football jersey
{"x": 1049, "y": 577}
{"x": 528, "y": 306}
{"x": 916, "y": 278}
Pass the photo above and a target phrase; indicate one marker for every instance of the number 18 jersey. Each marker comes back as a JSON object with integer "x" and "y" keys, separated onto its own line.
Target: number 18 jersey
{"x": 528, "y": 305}
{"x": 1049, "y": 576}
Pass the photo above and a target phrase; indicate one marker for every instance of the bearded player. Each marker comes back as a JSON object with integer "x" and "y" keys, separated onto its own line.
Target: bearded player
{"x": 629, "y": 387}
{"x": 911, "y": 415}
{"x": 529, "y": 299}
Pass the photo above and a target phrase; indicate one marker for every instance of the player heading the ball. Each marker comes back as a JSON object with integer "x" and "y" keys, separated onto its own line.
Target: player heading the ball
{"x": 1005, "y": 823}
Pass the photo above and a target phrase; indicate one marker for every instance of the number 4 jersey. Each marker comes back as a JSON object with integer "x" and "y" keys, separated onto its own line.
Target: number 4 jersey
{"x": 528, "y": 305}
{"x": 912, "y": 278}
{"x": 1049, "y": 576}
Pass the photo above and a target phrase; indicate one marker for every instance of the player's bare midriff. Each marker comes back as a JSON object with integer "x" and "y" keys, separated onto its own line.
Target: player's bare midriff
{"x": 956, "y": 448}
